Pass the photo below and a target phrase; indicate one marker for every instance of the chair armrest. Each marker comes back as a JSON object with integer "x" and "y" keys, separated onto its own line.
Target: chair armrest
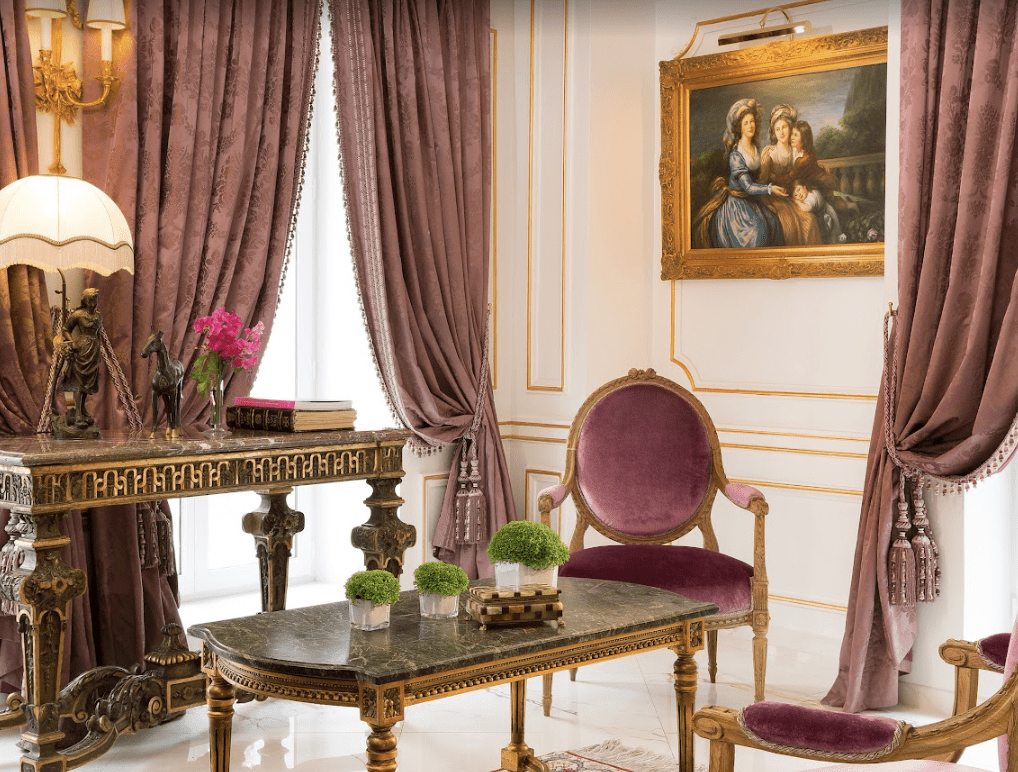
{"x": 745, "y": 496}
{"x": 552, "y": 497}
{"x": 970, "y": 654}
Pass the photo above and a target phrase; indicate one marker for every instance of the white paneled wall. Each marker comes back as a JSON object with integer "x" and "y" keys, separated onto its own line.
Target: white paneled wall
{"x": 789, "y": 370}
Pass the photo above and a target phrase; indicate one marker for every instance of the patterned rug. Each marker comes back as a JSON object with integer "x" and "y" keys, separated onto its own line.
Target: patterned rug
{"x": 610, "y": 756}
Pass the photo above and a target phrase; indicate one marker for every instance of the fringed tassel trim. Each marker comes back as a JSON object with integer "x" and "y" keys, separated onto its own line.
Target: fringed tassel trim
{"x": 925, "y": 548}
{"x": 470, "y": 509}
{"x": 901, "y": 563}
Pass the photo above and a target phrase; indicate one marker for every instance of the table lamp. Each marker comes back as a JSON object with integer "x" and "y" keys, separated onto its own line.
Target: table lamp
{"x": 53, "y": 223}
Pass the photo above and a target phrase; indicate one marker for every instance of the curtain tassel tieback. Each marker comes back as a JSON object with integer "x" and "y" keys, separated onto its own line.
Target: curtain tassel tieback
{"x": 925, "y": 548}
{"x": 470, "y": 509}
{"x": 901, "y": 560}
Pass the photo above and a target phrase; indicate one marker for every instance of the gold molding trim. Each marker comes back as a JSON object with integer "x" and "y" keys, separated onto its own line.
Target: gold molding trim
{"x": 526, "y": 492}
{"x": 768, "y": 433}
{"x": 755, "y": 392}
{"x": 798, "y": 487}
{"x": 530, "y": 200}
{"x": 564, "y": 427}
{"x": 804, "y": 451}
{"x": 426, "y": 536}
{"x": 525, "y": 438}
{"x": 810, "y": 603}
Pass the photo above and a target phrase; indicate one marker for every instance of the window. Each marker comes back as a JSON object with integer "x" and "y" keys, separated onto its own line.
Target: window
{"x": 319, "y": 350}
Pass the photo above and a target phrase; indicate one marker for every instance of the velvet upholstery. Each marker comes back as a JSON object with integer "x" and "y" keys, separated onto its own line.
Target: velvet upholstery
{"x": 557, "y": 494}
{"x": 643, "y": 434}
{"x": 741, "y": 494}
{"x": 695, "y": 573}
{"x": 1009, "y": 664}
{"x": 825, "y": 731}
{"x": 994, "y": 648}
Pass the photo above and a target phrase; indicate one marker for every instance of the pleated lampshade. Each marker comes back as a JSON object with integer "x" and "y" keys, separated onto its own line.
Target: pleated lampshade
{"x": 54, "y": 223}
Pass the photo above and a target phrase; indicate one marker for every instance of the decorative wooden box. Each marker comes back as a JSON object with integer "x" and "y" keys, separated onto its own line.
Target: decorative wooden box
{"x": 530, "y": 603}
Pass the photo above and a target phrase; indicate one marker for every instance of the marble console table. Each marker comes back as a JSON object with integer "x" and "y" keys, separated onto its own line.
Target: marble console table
{"x": 313, "y": 655}
{"x": 41, "y": 479}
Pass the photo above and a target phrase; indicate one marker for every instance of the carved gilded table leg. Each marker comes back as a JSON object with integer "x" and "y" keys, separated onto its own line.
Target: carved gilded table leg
{"x": 220, "y": 696}
{"x": 273, "y": 526}
{"x": 518, "y": 756}
{"x": 384, "y": 538}
{"x": 685, "y": 691}
{"x": 381, "y": 708}
{"x": 41, "y": 588}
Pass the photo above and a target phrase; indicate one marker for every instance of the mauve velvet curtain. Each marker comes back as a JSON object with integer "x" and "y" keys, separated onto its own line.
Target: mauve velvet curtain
{"x": 957, "y": 321}
{"x": 413, "y": 95}
{"x": 25, "y": 336}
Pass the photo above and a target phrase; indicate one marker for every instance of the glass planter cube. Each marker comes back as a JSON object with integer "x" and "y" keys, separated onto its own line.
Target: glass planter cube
{"x": 366, "y": 615}
{"x": 435, "y": 606}
{"x": 512, "y": 576}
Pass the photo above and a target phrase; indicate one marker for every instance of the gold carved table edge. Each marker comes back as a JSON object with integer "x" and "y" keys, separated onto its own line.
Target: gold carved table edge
{"x": 42, "y": 479}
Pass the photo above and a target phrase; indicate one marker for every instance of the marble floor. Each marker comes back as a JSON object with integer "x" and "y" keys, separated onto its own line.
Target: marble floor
{"x": 630, "y": 699}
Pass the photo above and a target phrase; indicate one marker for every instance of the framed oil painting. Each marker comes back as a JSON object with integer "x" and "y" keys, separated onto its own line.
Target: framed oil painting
{"x": 773, "y": 160}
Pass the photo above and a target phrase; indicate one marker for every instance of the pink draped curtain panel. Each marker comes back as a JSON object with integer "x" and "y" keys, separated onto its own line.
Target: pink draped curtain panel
{"x": 202, "y": 147}
{"x": 26, "y": 334}
{"x": 413, "y": 94}
{"x": 957, "y": 321}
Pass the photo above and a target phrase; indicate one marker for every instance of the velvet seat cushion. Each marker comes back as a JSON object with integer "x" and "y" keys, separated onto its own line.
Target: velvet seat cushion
{"x": 828, "y": 732}
{"x": 993, "y": 648}
{"x": 689, "y": 571}
{"x": 908, "y": 765}
{"x": 643, "y": 460}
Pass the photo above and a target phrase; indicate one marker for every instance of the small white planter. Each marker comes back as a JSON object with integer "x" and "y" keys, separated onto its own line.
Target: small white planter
{"x": 366, "y": 615}
{"x": 435, "y": 606}
{"x": 512, "y": 576}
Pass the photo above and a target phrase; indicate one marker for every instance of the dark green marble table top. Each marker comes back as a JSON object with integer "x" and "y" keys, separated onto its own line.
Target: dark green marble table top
{"x": 43, "y": 450}
{"x": 318, "y": 641}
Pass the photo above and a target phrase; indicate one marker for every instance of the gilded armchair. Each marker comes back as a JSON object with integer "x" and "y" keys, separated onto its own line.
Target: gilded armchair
{"x": 643, "y": 467}
{"x": 828, "y": 735}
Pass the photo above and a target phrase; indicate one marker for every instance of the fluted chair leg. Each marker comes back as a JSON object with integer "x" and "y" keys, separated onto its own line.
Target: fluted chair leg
{"x": 712, "y": 655}
{"x": 759, "y": 662}
{"x": 572, "y": 673}
{"x": 546, "y": 700}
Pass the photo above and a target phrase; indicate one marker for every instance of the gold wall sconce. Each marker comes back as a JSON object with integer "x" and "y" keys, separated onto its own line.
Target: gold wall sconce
{"x": 58, "y": 89}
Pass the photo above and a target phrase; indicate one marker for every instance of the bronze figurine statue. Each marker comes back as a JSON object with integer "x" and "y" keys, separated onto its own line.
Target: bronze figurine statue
{"x": 167, "y": 380}
{"x": 78, "y": 343}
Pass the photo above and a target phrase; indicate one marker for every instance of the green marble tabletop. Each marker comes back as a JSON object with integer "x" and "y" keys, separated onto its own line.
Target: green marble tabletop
{"x": 43, "y": 450}
{"x": 318, "y": 641}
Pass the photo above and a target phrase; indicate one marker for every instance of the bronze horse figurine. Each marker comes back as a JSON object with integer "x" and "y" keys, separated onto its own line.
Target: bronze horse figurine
{"x": 167, "y": 384}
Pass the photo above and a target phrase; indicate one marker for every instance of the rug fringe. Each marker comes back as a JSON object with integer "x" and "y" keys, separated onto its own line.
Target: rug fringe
{"x": 632, "y": 759}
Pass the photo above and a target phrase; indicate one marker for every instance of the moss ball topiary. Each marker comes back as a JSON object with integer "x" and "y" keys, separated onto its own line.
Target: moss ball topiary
{"x": 441, "y": 578}
{"x": 378, "y": 586}
{"x": 532, "y": 544}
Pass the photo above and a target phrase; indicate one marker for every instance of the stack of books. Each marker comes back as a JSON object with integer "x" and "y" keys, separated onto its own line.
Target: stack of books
{"x": 280, "y": 415}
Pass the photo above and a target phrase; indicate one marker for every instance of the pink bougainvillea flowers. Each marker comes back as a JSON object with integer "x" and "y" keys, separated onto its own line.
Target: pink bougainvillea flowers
{"x": 226, "y": 346}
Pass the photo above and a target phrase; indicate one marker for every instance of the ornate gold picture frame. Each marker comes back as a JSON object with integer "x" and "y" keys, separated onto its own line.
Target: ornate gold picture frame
{"x": 773, "y": 160}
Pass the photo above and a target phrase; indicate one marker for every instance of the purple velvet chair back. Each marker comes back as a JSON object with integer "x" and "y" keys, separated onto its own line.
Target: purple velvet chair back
{"x": 643, "y": 461}
{"x": 1009, "y": 666}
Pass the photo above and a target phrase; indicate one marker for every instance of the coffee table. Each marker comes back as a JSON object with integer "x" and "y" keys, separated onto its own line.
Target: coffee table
{"x": 313, "y": 655}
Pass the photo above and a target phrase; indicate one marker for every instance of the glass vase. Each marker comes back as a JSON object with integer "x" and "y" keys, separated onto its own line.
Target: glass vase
{"x": 435, "y": 606}
{"x": 217, "y": 409}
